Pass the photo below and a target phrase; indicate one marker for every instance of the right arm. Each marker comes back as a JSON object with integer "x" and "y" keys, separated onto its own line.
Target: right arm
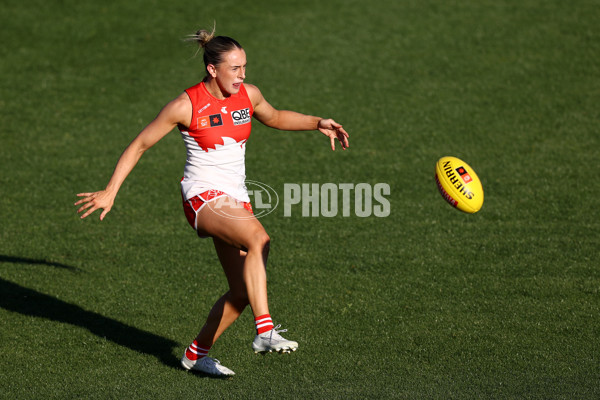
{"x": 177, "y": 112}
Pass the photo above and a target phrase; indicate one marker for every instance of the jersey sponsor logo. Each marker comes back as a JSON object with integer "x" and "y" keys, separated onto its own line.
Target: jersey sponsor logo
{"x": 216, "y": 120}
{"x": 240, "y": 117}
{"x": 210, "y": 121}
{"x": 203, "y": 108}
{"x": 203, "y": 122}
{"x": 224, "y": 110}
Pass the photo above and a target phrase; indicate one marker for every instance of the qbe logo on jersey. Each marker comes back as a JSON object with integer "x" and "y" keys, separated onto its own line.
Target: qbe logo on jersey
{"x": 241, "y": 117}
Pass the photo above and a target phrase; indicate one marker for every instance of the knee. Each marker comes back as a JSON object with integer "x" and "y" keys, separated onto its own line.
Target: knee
{"x": 261, "y": 242}
{"x": 266, "y": 242}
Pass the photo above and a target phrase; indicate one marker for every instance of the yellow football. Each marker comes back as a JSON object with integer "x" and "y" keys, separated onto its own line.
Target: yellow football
{"x": 459, "y": 185}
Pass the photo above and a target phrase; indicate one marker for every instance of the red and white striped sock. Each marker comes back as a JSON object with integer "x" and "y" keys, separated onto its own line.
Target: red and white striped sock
{"x": 264, "y": 323}
{"x": 195, "y": 351}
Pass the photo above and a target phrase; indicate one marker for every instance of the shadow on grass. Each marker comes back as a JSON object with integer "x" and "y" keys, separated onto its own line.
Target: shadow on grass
{"x": 22, "y": 260}
{"x": 30, "y": 302}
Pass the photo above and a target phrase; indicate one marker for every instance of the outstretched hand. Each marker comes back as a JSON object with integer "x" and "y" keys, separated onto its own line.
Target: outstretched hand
{"x": 334, "y": 131}
{"x": 95, "y": 200}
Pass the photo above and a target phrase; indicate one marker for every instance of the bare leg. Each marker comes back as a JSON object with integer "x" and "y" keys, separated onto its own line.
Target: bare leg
{"x": 242, "y": 246}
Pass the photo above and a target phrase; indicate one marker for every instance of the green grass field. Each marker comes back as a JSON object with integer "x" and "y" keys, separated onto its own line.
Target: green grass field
{"x": 425, "y": 303}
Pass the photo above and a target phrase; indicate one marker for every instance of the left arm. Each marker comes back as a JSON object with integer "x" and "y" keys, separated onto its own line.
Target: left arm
{"x": 293, "y": 121}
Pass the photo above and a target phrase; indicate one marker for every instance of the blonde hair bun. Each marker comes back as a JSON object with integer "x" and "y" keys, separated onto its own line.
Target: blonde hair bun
{"x": 202, "y": 37}
{"x": 214, "y": 47}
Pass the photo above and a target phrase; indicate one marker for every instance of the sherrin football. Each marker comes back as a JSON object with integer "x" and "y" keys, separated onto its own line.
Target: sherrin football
{"x": 459, "y": 185}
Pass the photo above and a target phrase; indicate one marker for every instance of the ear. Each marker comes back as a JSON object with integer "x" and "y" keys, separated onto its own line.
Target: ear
{"x": 212, "y": 70}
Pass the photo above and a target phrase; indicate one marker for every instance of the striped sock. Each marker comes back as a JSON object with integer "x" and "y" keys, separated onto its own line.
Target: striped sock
{"x": 264, "y": 323}
{"x": 195, "y": 351}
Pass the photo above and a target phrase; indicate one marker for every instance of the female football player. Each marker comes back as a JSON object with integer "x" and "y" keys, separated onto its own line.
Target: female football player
{"x": 214, "y": 118}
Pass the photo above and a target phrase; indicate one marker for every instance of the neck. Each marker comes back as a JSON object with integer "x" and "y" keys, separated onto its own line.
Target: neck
{"x": 214, "y": 89}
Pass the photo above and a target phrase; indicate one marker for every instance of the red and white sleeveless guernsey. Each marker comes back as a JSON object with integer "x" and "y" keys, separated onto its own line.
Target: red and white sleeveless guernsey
{"x": 216, "y": 143}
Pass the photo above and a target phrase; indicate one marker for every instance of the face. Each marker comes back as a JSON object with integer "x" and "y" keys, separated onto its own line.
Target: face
{"x": 230, "y": 73}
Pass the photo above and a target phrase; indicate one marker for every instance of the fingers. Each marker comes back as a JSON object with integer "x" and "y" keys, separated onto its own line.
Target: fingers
{"x": 343, "y": 131}
{"x": 87, "y": 198}
{"x": 92, "y": 209}
{"x": 335, "y": 131}
{"x": 87, "y": 201}
{"x": 88, "y": 212}
{"x": 82, "y": 201}
{"x": 344, "y": 139}
{"x": 91, "y": 202}
{"x": 342, "y": 136}
{"x": 337, "y": 127}
{"x": 89, "y": 206}
{"x": 85, "y": 206}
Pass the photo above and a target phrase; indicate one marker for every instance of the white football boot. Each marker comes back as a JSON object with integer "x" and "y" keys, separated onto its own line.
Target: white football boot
{"x": 272, "y": 341}
{"x": 207, "y": 365}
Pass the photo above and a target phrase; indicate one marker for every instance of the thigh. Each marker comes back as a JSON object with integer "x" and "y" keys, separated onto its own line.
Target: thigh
{"x": 231, "y": 223}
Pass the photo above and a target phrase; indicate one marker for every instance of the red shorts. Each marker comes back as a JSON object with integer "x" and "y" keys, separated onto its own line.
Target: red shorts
{"x": 191, "y": 207}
